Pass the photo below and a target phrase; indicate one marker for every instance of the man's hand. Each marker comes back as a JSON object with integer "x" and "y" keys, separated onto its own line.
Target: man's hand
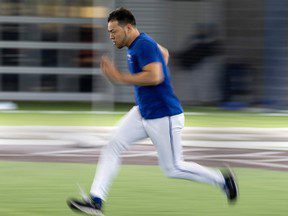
{"x": 109, "y": 69}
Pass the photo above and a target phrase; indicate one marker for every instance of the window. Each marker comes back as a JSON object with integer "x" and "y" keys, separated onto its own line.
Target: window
{"x": 49, "y": 32}
{"x": 68, "y": 58}
{"x": 10, "y": 32}
{"x": 11, "y": 7}
{"x": 68, "y": 83}
{"x": 49, "y": 58}
{"x": 86, "y": 83}
{"x": 29, "y": 82}
{"x": 30, "y": 57}
{"x": 49, "y": 83}
{"x": 10, "y": 82}
{"x": 86, "y": 33}
{"x": 10, "y": 57}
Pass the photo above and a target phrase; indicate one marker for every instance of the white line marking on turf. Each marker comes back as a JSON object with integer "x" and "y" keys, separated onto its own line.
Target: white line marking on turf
{"x": 131, "y": 154}
{"x": 12, "y": 155}
{"x": 29, "y": 142}
{"x": 199, "y": 149}
{"x": 154, "y": 154}
{"x": 146, "y": 154}
{"x": 278, "y": 146}
{"x": 127, "y": 154}
{"x": 244, "y": 155}
{"x": 282, "y": 146}
{"x": 68, "y": 153}
{"x": 60, "y": 152}
{"x": 256, "y": 163}
{"x": 284, "y": 158}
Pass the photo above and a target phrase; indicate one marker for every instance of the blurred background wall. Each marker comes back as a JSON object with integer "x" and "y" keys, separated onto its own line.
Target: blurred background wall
{"x": 50, "y": 50}
{"x": 226, "y": 53}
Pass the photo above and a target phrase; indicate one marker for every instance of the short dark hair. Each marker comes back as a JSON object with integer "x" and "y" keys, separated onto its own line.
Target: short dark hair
{"x": 123, "y": 16}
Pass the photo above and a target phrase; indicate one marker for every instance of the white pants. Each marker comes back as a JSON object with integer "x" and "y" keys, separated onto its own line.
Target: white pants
{"x": 165, "y": 134}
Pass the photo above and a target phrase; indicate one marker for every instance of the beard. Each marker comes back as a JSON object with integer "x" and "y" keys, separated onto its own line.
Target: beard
{"x": 119, "y": 46}
{"x": 123, "y": 42}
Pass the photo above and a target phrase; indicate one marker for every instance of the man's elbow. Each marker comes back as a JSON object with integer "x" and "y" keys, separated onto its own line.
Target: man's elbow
{"x": 167, "y": 53}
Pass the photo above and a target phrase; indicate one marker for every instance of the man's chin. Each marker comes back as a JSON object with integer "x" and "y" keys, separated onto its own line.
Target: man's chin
{"x": 119, "y": 46}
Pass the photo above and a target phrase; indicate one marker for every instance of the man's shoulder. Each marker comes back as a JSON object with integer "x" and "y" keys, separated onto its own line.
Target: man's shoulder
{"x": 145, "y": 42}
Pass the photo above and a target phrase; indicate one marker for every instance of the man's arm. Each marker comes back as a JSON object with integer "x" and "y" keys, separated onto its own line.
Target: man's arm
{"x": 165, "y": 53}
{"x": 152, "y": 74}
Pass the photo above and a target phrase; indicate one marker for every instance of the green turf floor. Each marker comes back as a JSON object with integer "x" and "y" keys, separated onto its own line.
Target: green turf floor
{"x": 40, "y": 189}
{"x": 207, "y": 120}
{"x": 209, "y": 116}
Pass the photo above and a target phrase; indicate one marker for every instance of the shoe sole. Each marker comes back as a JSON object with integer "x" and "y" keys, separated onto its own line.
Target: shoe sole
{"x": 86, "y": 210}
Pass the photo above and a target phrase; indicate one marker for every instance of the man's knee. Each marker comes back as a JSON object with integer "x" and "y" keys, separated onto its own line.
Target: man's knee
{"x": 170, "y": 172}
{"x": 175, "y": 170}
{"x": 116, "y": 145}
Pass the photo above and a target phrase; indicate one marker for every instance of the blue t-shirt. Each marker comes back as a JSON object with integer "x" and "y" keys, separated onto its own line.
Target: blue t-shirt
{"x": 154, "y": 101}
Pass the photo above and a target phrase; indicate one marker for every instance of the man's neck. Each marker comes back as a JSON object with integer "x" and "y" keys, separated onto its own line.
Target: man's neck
{"x": 134, "y": 35}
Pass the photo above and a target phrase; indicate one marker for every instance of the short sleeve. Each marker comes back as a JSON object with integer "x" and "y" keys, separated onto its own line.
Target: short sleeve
{"x": 147, "y": 52}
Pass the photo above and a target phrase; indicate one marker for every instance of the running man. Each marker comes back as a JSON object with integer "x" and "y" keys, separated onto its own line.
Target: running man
{"x": 157, "y": 115}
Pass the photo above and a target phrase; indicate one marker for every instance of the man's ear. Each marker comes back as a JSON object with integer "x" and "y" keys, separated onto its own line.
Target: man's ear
{"x": 129, "y": 27}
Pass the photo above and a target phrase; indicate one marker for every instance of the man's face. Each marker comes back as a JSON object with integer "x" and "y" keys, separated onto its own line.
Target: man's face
{"x": 117, "y": 34}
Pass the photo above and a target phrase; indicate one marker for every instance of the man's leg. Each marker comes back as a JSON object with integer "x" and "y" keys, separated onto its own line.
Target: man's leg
{"x": 129, "y": 131}
{"x": 165, "y": 133}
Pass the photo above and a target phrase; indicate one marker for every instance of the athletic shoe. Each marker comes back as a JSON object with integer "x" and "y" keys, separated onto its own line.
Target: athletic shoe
{"x": 89, "y": 208}
{"x": 230, "y": 187}
{"x": 87, "y": 205}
